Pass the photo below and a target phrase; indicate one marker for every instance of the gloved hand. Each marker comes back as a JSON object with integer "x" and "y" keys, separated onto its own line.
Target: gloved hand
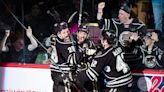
{"x": 90, "y": 52}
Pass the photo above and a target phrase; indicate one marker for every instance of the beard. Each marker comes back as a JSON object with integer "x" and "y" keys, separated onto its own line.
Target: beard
{"x": 67, "y": 39}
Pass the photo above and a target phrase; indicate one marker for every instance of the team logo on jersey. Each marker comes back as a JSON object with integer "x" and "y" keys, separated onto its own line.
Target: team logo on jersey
{"x": 150, "y": 61}
{"x": 124, "y": 38}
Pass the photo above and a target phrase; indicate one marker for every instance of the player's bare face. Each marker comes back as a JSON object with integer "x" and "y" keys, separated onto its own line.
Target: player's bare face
{"x": 148, "y": 41}
{"x": 81, "y": 36}
{"x": 65, "y": 33}
{"x": 123, "y": 16}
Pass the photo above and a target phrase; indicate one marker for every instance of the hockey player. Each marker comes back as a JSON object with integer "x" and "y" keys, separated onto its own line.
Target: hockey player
{"x": 63, "y": 58}
{"x": 129, "y": 30}
{"x": 84, "y": 44}
{"x": 83, "y": 38}
{"x": 125, "y": 24}
{"x": 109, "y": 64}
{"x": 153, "y": 56}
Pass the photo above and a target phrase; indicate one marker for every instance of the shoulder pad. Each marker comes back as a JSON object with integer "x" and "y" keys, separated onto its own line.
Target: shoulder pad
{"x": 116, "y": 21}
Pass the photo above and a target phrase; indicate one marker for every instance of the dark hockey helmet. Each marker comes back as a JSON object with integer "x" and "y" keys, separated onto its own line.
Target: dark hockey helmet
{"x": 60, "y": 26}
{"x": 110, "y": 36}
{"x": 83, "y": 28}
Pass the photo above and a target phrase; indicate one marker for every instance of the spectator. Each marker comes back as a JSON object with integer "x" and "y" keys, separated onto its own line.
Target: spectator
{"x": 17, "y": 51}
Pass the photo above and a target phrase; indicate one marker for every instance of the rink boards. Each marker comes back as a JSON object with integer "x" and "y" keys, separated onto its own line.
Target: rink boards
{"x": 16, "y": 77}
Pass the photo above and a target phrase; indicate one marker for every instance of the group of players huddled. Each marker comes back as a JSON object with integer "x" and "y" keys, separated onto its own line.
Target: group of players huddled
{"x": 78, "y": 65}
